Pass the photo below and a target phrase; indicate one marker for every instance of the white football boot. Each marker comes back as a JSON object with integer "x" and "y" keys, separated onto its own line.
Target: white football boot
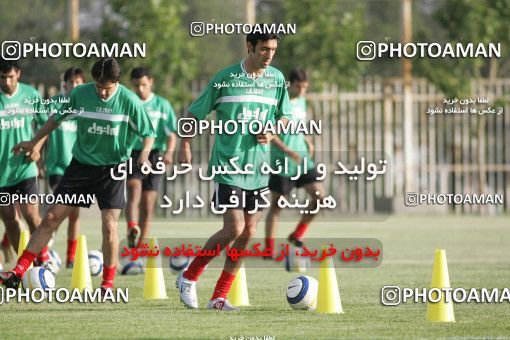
{"x": 222, "y": 304}
{"x": 187, "y": 291}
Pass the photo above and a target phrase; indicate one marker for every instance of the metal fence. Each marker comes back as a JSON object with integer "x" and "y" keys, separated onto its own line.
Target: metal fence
{"x": 448, "y": 152}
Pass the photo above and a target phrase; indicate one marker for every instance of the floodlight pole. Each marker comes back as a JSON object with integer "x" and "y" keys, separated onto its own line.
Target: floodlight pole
{"x": 409, "y": 154}
{"x": 73, "y": 10}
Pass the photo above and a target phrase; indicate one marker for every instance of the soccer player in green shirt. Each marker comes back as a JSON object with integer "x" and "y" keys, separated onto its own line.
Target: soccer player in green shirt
{"x": 59, "y": 153}
{"x": 109, "y": 118}
{"x": 20, "y": 107}
{"x": 142, "y": 189}
{"x": 296, "y": 148}
{"x": 248, "y": 95}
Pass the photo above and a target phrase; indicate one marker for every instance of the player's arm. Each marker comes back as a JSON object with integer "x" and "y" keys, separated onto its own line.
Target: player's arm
{"x": 146, "y": 150}
{"x": 199, "y": 109}
{"x": 184, "y": 155}
{"x": 309, "y": 144}
{"x": 32, "y": 147}
{"x": 170, "y": 149}
{"x": 171, "y": 139}
{"x": 281, "y": 145}
{"x": 266, "y": 138}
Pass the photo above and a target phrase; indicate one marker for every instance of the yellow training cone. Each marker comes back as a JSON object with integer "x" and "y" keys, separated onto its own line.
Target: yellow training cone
{"x": 24, "y": 237}
{"x": 328, "y": 296}
{"x": 80, "y": 278}
{"x": 441, "y": 311}
{"x": 238, "y": 295}
{"x": 154, "y": 284}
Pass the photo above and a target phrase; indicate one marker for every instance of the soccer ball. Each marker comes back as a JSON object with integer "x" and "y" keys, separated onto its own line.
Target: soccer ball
{"x": 128, "y": 267}
{"x": 96, "y": 262}
{"x": 54, "y": 263}
{"x": 302, "y": 293}
{"x": 38, "y": 277}
{"x": 296, "y": 263}
{"x": 179, "y": 264}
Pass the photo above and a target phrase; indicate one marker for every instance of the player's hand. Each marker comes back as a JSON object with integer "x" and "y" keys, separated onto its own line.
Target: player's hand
{"x": 311, "y": 148}
{"x": 24, "y": 147}
{"x": 41, "y": 173}
{"x": 143, "y": 159}
{"x": 184, "y": 155}
{"x": 295, "y": 156}
{"x": 168, "y": 158}
{"x": 263, "y": 139}
{"x": 34, "y": 155}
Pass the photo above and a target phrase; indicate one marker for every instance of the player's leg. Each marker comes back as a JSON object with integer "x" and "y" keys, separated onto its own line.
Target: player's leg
{"x": 134, "y": 192}
{"x": 147, "y": 211}
{"x": 31, "y": 214}
{"x": 73, "y": 228}
{"x": 38, "y": 240}
{"x": 110, "y": 221}
{"x": 12, "y": 224}
{"x": 218, "y": 299}
{"x": 272, "y": 219}
{"x": 317, "y": 193}
{"x": 233, "y": 225}
{"x": 6, "y": 245}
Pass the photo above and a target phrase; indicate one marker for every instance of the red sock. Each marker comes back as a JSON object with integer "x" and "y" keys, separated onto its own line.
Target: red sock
{"x": 270, "y": 244}
{"x": 223, "y": 285}
{"x": 196, "y": 267}
{"x": 43, "y": 255}
{"x": 24, "y": 262}
{"x": 5, "y": 241}
{"x": 108, "y": 276}
{"x": 300, "y": 230}
{"x": 71, "y": 249}
{"x": 132, "y": 224}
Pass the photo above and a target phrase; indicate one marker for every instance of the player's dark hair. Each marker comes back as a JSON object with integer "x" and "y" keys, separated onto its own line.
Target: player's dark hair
{"x": 73, "y": 72}
{"x": 8, "y": 65}
{"x": 105, "y": 70}
{"x": 298, "y": 74}
{"x": 253, "y": 38}
{"x": 140, "y": 72}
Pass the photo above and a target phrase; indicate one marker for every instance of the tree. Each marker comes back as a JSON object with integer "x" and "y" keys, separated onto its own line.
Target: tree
{"x": 325, "y": 42}
{"x": 467, "y": 21}
{"x": 171, "y": 54}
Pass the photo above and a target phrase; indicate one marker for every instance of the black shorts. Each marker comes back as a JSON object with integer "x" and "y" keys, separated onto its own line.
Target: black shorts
{"x": 25, "y": 187}
{"x": 223, "y": 192}
{"x": 151, "y": 181}
{"x": 283, "y": 185}
{"x": 83, "y": 179}
{"x": 54, "y": 180}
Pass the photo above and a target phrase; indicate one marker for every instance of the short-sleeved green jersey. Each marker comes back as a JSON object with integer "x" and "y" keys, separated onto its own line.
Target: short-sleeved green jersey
{"x": 163, "y": 121}
{"x": 106, "y": 129}
{"x": 295, "y": 142}
{"x": 61, "y": 141}
{"x": 236, "y": 95}
{"x": 18, "y": 113}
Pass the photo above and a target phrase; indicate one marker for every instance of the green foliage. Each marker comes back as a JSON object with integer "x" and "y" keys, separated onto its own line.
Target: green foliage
{"x": 325, "y": 43}
{"x": 171, "y": 54}
{"x": 466, "y": 21}
{"x": 37, "y": 21}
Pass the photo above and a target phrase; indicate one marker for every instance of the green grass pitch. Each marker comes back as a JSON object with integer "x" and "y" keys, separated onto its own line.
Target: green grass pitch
{"x": 477, "y": 251}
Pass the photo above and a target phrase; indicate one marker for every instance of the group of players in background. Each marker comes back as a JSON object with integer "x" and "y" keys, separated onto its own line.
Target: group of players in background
{"x": 88, "y": 130}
